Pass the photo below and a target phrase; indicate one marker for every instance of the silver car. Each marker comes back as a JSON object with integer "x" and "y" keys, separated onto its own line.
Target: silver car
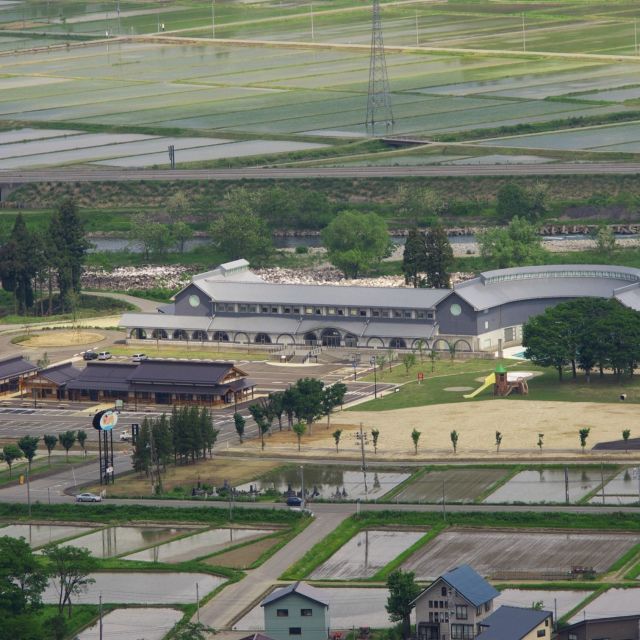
{"x": 88, "y": 497}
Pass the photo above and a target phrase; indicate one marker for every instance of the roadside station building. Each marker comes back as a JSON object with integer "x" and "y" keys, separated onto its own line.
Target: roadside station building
{"x": 13, "y": 374}
{"x": 231, "y": 304}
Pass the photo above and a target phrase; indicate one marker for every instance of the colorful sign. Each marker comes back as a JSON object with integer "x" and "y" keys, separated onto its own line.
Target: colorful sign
{"x": 105, "y": 420}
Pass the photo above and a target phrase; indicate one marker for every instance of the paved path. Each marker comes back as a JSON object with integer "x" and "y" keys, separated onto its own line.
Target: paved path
{"x": 238, "y": 598}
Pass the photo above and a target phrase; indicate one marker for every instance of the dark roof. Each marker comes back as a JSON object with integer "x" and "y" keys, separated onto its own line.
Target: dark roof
{"x": 300, "y": 588}
{"x": 511, "y": 623}
{"x": 107, "y": 376}
{"x": 589, "y": 621}
{"x": 206, "y": 389}
{"x": 180, "y": 372}
{"x": 61, "y": 373}
{"x": 16, "y": 366}
{"x": 469, "y": 584}
{"x": 257, "y": 636}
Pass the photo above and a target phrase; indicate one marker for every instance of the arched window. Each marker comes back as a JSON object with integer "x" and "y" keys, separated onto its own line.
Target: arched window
{"x": 397, "y": 343}
{"x": 220, "y": 336}
{"x": 262, "y": 338}
{"x": 330, "y": 338}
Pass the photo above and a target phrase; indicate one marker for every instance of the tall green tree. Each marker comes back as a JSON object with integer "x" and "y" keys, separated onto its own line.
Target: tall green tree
{"x": 242, "y": 235}
{"x": 308, "y": 394}
{"x": 50, "y": 441}
{"x": 403, "y": 590}
{"x": 67, "y": 440}
{"x": 29, "y": 446}
{"x": 414, "y": 258}
{"x": 67, "y": 237}
{"x": 239, "y": 422}
{"x": 516, "y": 245}
{"x": 529, "y": 204}
{"x": 419, "y": 206}
{"x": 438, "y": 258}
{"x": 415, "y": 436}
{"x": 356, "y": 242}
{"x": 332, "y": 397}
{"x": 11, "y": 453}
{"x": 299, "y": 428}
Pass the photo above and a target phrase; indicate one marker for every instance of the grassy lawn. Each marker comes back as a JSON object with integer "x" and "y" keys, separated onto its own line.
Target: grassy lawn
{"x": 542, "y": 387}
{"x": 40, "y": 466}
{"x": 154, "y": 351}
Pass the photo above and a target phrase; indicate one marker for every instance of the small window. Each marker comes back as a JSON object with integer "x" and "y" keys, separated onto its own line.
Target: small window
{"x": 408, "y": 314}
{"x": 431, "y": 604}
{"x": 363, "y": 313}
{"x": 274, "y": 309}
{"x": 295, "y": 631}
{"x": 430, "y": 315}
{"x": 397, "y": 313}
{"x": 541, "y": 633}
{"x": 385, "y": 314}
{"x": 252, "y": 308}
{"x": 244, "y": 308}
{"x": 376, "y": 313}
{"x": 296, "y": 309}
{"x": 546, "y": 622}
{"x": 443, "y": 591}
{"x": 287, "y": 310}
{"x": 318, "y": 311}
{"x": 308, "y": 310}
{"x": 305, "y": 613}
{"x": 479, "y": 611}
{"x": 430, "y": 616}
{"x": 353, "y": 312}
{"x": 461, "y": 612}
{"x": 331, "y": 311}
{"x": 340, "y": 312}
{"x": 264, "y": 309}
{"x": 420, "y": 315}
{"x": 487, "y": 606}
{"x": 573, "y": 636}
{"x": 282, "y": 613}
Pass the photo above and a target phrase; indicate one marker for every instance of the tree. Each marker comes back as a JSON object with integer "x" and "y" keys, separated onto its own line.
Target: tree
{"x": 419, "y": 205}
{"x": 29, "y": 446}
{"x": 70, "y": 570}
{"x": 239, "y": 422}
{"x": 513, "y": 246}
{"x": 181, "y": 232}
{"x": 438, "y": 258}
{"x": 415, "y": 436}
{"x": 403, "y": 590}
{"x": 545, "y": 342}
{"x": 336, "y": 436}
{"x": 420, "y": 346}
{"x": 242, "y": 235}
{"x": 308, "y": 395}
{"x": 67, "y": 440}
{"x": 82, "y": 439}
{"x": 259, "y": 415}
{"x": 178, "y": 205}
{"x": 511, "y": 201}
{"x": 626, "y": 433}
{"x": 454, "y": 440}
{"x": 67, "y": 236}
{"x": 409, "y": 360}
{"x": 192, "y": 631}
{"x": 50, "y": 441}
{"x": 584, "y": 434}
{"x": 332, "y": 396}
{"x": 540, "y": 440}
{"x": 433, "y": 356}
{"x": 11, "y": 453}
{"x": 154, "y": 236}
{"x": 605, "y": 240}
{"x": 23, "y": 579}
{"x": 356, "y": 241}
{"x": 414, "y": 258}
{"x": 277, "y": 406}
{"x": 299, "y": 429}
{"x": 375, "y": 434}
{"x": 498, "y": 441}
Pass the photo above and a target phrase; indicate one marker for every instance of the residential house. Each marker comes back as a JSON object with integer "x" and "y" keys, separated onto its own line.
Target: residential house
{"x": 296, "y": 612}
{"x": 621, "y": 628}
{"x": 453, "y": 606}
{"x": 517, "y": 623}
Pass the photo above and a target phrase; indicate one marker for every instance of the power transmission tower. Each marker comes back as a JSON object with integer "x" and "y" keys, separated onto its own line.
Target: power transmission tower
{"x": 379, "y": 111}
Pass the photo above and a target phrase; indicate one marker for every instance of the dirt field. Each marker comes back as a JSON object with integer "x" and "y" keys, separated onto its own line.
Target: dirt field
{"x": 243, "y": 557}
{"x": 476, "y": 423}
{"x": 62, "y": 339}
{"x": 533, "y": 552}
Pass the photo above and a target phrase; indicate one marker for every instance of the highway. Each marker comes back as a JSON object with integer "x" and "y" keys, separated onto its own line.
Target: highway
{"x": 293, "y": 173}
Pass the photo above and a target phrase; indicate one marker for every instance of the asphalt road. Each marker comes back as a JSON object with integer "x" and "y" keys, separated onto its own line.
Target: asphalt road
{"x": 257, "y": 173}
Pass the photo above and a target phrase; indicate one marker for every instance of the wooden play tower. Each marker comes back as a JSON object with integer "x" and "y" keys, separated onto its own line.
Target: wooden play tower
{"x": 503, "y": 386}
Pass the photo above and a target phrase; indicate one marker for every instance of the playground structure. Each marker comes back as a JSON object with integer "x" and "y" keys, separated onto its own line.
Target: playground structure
{"x": 504, "y": 383}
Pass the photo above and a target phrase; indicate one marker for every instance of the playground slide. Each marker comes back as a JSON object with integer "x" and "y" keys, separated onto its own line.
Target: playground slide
{"x": 488, "y": 381}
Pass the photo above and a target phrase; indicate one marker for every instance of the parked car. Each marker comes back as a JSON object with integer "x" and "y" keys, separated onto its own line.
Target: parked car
{"x": 88, "y": 497}
{"x": 104, "y": 355}
{"x": 125, "y": 436}
{"x": 139, "y": 357}
{"x": 294, "y": 501}
{"x": 89, "y": 355}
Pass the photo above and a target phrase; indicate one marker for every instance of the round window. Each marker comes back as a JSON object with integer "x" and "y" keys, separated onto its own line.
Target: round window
{"x": 194, "y": 300}
{"x": 455, "y": 309}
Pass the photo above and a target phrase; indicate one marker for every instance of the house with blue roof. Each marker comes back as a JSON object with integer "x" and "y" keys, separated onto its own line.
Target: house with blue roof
{"x": 517, "y": 623}
{"x": 454, "y": 606}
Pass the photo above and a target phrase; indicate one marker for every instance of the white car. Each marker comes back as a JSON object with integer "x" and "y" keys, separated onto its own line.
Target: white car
{"x": 88, "y": 497}
{"x": 139, "y": 357}
{"x": 104, "y": 355}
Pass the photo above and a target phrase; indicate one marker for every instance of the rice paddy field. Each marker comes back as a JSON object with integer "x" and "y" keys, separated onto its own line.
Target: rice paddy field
{"x": 289, "y": 80}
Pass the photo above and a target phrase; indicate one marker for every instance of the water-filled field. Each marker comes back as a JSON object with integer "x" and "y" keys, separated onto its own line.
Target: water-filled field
{"x": 530, "y": 553}
{"x": 365, "y": 554}
{"x": 200, "y": 544}
{"x": 613, "y": 603}
{"x": 552, "y": 600}
{"x": 623, "y": 489}
{"x": 37, "y": 535}
{"x": 133, "y": 624}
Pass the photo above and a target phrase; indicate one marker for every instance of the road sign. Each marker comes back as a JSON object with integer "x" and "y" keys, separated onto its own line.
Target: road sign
{"x": 420, "y": 377}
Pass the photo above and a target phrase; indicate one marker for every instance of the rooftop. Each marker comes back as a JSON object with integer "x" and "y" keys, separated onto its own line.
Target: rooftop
{"x": 470, "y": 584}
{"x": 512, "y": 623}
{"x": 300, "y": 588}
{"x": 16, "y": 366}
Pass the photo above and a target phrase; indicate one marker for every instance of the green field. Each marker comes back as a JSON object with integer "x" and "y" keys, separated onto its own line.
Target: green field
{"x": 455, "y": 68}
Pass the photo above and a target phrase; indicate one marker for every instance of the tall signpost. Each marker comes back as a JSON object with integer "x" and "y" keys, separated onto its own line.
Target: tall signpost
{"x": 104, "y": 422}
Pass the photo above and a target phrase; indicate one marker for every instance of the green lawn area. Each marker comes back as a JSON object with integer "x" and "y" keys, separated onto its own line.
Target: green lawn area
{"x": 40, "y": 466}
{"x": 188, "y": 352}
{"x": 463, "y": 374}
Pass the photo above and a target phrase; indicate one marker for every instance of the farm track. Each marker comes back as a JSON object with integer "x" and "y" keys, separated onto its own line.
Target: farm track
{"x": 258, "y": 173}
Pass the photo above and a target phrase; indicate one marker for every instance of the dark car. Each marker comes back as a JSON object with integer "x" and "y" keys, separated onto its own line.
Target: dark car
{"x": 294, "y": 501}
{"x": 89, "y": 355}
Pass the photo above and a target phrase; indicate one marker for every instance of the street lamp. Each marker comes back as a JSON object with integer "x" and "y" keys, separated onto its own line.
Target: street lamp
{"x": 373, "y": 362}
{"x": 354, "y": 363}
{"x": 302, "y": 485}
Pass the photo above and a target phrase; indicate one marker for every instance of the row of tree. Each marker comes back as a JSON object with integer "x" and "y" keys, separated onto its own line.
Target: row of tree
{"x": 587, "y": 334}
{"x": 427, "y": 258}
{"x": 53, "y": 258}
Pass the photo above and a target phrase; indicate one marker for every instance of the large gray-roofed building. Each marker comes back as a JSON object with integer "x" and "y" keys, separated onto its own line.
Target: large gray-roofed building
{"x": 232, "y": 304}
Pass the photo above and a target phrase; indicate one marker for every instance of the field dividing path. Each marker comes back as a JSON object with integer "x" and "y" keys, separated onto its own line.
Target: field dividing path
{"x": 236, "y": 599}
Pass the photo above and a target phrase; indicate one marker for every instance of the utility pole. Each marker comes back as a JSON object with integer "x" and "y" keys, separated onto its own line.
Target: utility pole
{"x": 417, "y": 31}
{"x": 364, "y": 462}
{"x": 198, "y": 603}
{"x": 566, "y": 485}
{"x": 302, "y": 496}
{"x": 213, "y": 18}
{"x": 444, "y": 503}
{"x": 100, "y": 608}
{"x": 635, "y": 36}
{"x": 524, "y": 35}
{"x": 28, "y": 492}
{"x": 313, "y": 31}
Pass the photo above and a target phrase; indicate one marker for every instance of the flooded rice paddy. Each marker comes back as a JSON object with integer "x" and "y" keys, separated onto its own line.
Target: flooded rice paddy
{"x": 133, "y": 624}
{"x": 359, "y": 607}
{"x": 115, "y": 541}
{"x": 548, "y": 485}
{"x": 614, "y": 603}
{"x": 329, "y": 482}
{"x": 457, "y": 485}
{"x": 518, "y": 553}
{"x": 198, "y": 545}
{"x": 365, "y": 554}
{"x": 560, "y": 601}
{"x": 623, "y": 489}
{"x": 37, "y": 535}
{"x": 141, "y": 588}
